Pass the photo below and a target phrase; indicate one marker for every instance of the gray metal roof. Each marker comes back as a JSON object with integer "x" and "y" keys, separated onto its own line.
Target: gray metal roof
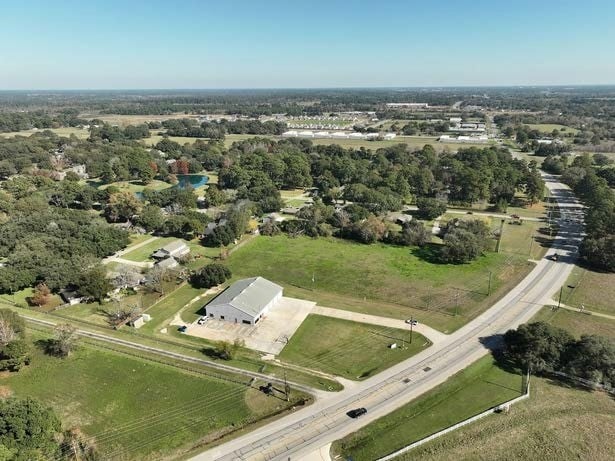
{"x": 174, "y": 246}
{"x": 248, "y": 295}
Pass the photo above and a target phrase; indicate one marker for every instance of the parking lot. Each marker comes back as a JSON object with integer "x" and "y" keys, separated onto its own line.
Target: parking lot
{"x": 270, "y": 335}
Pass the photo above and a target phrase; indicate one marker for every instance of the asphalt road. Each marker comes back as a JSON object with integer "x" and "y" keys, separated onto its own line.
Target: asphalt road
{"x": 307, "y": 430}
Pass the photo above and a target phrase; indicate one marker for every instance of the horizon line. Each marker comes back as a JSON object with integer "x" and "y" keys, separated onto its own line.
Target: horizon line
{"x": 469, "y": 86}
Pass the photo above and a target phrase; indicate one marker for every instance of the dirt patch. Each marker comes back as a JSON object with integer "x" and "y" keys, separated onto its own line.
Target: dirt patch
{"x": 5, "y": 392}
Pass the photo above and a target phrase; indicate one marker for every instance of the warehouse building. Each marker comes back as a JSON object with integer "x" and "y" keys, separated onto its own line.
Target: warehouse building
{"x": 245, "y": 301}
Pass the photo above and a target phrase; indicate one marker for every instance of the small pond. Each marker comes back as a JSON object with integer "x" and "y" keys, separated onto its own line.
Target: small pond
{"x": 194, "y": 180}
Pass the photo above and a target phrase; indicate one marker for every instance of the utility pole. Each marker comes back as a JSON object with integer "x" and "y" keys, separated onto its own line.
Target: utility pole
{"x": 531, "y": 243}
{"x": 286, "y": 387}
{"x": 497, "y": 249}
{"x": 559, "y": 301}
{"x": 411, "y": 325}
{"x": 489, "y": 288}
{"x": 456, "y": 301}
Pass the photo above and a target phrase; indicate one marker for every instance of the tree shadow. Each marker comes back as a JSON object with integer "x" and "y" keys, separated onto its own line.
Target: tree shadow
{"x": 429, "y": 253}
{"x": 47, "y": 346}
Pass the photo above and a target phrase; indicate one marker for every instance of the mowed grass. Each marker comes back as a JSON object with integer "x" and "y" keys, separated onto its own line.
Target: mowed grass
{"x": 134, "y": 408}
{"x": 595, "y": 290}
{"x": 577, "y": 323}
{"x": 144, "y": 252}
{"x": 380, "y": 279}
{"x": 65, "y": 132}
{"x": 556, "y": 423}
{"x": 349, "y": 349}
{"x": 548, "y": 128}
{"x": 477, "y": 388}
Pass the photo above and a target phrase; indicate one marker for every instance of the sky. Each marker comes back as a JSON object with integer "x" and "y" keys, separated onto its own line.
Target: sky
{"x": 134, "y": 44}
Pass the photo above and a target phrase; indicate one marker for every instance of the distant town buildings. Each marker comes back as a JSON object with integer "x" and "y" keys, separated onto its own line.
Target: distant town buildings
{"x": 480, "y": 139}
{"x": 408, "y": 105}
{"x": 336, "y": 135}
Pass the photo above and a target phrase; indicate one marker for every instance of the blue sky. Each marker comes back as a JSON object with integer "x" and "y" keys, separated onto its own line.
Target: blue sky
{"x": 126, "y": 44}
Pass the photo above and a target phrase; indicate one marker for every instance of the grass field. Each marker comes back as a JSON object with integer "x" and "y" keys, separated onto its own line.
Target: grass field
{"x": 577, "y": 323}
{"x": 144, "y": 252}
{"x": 380, "y": 279}
{"x": 349, "y": 349}
{"x": 547, "y": 128}
{"x": 556, "y": 423}
{"x": 595, "y": 290}
{"x": 123, "y": 120}
{"x": 135, "y": 408}
{"x": 132, "y": 186}
{"x": 79, "y": 132}
{"x": 475, "y": 389}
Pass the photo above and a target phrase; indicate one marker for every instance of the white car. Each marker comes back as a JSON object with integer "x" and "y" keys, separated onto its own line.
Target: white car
{"x": 202, "y": 320}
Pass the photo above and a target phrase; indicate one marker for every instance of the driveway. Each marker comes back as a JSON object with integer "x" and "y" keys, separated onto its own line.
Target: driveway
{"x": 433, "y": 335}
{"x": 270, "y": 335}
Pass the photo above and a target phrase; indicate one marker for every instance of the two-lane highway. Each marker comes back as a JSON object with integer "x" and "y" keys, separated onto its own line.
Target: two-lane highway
{"x": 325, "y": 421}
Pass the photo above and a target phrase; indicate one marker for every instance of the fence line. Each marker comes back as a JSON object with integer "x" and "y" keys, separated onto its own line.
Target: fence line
{"x": 495, "y": 409}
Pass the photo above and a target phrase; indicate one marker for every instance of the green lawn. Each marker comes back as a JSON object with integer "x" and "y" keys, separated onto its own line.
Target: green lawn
{"x": 556, "y": 423}
{"x": 143, "y": 253}
{"x": 595, "y": 290}
{"x": 349, "y": 349}
{"x": 577, "y": 323}
{"x": 380, "y": 279}
{"x": 475, "y": 389}
{"x": 134, "y": 408}
{"x": 164, "y": 311}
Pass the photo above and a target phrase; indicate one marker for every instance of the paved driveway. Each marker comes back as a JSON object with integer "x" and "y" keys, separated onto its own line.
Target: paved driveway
{"x": 270, "y": 335}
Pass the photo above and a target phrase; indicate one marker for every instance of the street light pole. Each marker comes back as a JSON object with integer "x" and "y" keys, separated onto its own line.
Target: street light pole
{"x": 559, "y": 300}
{"x": 411, "y": 325}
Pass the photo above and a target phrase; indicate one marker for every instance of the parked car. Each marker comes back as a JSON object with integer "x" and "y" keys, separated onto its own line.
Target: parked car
{"x": 182, "y": 329}
{"x": 555, "y": 257}
{"x": 202, "y": 320}
{"x": 357, "y": 412}
{"x": 412, "y": 322}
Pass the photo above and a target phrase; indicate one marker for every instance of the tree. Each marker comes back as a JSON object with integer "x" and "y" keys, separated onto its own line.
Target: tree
{"x": 464, "y": 241}
{"x": 41, "y": 295}
{"x": 430, "y": 208}
{"x": 414, "y": 233}
{"x": 122, "y": 206}
{"x": 537, "y": 345}
{"x": 226, "y": 350}
{"x": 214, "y": 196}
{"x": 94, "y": 284}
{"x": 369, "y": 230}
{"x": 77, "y": 447}
{"x": 211, "y": 275}
{"x": 29, "y": 430}
{"x": 12, "y": 326}
{"x": 592, "y": 358}
{"x": 151, "y": 218}
{"x": 600, "y": 252}
{"x": 14, "y": 355}
{"x": 64, "y": 342}
{"x": 156, "y": 277}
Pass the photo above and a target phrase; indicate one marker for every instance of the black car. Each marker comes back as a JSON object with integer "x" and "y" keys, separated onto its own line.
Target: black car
{"x": 357, "y": 412}
{"x": 182, "y": 329}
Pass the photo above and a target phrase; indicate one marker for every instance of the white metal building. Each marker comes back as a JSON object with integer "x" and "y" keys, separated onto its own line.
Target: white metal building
{"x": 245, "y": 301}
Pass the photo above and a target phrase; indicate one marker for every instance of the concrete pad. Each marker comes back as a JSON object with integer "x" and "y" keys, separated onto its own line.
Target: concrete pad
{"x": 270, "y": 335}
{"x": 322, "y": 454}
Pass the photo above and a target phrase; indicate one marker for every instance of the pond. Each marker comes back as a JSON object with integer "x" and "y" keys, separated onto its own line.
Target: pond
{"x": 183, "y": 180}
{"x": 194, "y": 180}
